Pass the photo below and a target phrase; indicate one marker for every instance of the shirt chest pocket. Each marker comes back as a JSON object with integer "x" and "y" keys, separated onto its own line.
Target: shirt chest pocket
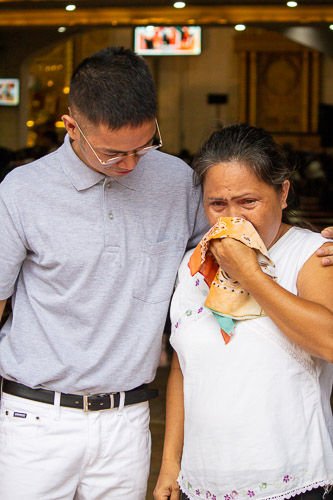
{"x": 156, "y": 270}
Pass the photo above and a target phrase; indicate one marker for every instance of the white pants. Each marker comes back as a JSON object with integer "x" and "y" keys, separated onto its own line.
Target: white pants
{"x": 48, "y": 452}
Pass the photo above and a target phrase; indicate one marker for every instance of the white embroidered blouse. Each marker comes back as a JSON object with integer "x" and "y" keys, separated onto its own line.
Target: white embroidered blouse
{"x": 258, "y": 421}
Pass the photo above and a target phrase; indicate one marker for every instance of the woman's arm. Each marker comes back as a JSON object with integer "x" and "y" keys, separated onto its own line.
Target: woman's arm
{"x": 2, "y": 306}
{"x": 306, "y": 318}
{"x": 167, "y": 486}
{"x": 326, "y": 251}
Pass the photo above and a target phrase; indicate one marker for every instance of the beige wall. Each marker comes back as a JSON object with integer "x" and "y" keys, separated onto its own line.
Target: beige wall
{"x": 183, "y": 84}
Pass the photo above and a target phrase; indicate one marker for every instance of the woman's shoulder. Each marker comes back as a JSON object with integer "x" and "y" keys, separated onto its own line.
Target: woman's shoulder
{"x": 291, "y": 252}
{"x": 299, "y": 243}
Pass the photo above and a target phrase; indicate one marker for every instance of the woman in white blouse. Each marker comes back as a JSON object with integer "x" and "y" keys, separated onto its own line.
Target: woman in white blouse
{"x": 251, "y": 419}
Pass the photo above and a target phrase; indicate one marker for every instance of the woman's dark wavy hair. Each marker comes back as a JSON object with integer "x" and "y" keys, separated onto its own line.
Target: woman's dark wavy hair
{"x": 253, "y": 147}
{"x": 115, "y": 87}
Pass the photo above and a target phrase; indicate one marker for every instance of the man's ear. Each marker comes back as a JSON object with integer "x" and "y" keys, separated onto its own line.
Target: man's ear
{"x": 71, "y": 127}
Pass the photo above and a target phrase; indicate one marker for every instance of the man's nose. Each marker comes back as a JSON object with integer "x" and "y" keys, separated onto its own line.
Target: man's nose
{"x": 129, "y": 162}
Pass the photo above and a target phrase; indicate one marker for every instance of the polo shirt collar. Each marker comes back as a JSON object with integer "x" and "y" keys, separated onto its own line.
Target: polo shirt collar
{"x": 83, "y": 177}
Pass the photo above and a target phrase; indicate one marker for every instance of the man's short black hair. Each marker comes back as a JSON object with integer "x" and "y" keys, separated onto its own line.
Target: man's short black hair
{"x": 115, "y": 87}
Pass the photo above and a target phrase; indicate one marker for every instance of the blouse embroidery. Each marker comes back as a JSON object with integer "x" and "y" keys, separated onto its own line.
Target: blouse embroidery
{"x": 196, "y": 313}
{"x": 273, "y": 489}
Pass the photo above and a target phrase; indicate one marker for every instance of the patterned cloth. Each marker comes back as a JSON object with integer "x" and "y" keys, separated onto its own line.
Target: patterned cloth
{"x": 226, "y": 299}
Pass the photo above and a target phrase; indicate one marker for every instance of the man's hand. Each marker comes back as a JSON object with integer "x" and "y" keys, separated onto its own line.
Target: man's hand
{"x": 326, "y": 251}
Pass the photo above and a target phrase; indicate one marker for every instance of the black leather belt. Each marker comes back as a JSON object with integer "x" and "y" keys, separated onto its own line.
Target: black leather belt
{"x": 92, "y": 402}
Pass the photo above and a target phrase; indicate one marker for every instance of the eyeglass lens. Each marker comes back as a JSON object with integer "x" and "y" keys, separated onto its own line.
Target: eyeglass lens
{"x": 140, "y": 152}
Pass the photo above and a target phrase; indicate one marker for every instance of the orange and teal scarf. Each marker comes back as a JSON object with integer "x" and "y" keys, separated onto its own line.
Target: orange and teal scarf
{"x": 226, "y": 299}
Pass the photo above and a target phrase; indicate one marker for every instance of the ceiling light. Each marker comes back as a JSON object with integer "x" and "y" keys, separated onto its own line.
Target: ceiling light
{"x": 179, "y": 5}
{"x": 70, "y": 7}
{"x": 240, "y": 27}
{"x": 331, "y": 27}
{"x": 62, "y": 29}
{"x": 292, "y": 4}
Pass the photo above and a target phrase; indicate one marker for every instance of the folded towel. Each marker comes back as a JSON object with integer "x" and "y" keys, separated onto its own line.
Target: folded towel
{"x": 226, "y": 299}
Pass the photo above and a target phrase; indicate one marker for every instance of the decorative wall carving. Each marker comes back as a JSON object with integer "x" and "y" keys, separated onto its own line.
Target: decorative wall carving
{"x": 279, "y": 86}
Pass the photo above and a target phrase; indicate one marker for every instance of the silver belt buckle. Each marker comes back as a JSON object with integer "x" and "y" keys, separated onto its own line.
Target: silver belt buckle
{"x": 86, "y": 404}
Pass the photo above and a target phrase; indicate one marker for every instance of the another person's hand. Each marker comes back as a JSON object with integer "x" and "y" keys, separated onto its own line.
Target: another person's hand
{"x": 327, "y": 251}
{"x": 167, "y": 487}
{"x": 235, "y": 258}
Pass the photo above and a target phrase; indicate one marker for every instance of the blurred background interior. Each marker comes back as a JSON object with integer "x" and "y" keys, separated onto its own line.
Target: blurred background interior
{"x": 266, "y": 62}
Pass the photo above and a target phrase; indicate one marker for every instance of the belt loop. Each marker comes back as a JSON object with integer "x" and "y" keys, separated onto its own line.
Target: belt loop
{"x": 56, "y": 405}
{"x": 121, "y": 403}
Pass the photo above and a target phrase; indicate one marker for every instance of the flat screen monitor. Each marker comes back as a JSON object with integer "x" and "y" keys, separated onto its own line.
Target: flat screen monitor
{"x": 167, "y": 40}
{"x": 9, "y": 91}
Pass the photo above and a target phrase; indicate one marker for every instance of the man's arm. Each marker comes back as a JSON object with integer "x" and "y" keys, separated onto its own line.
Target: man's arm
{"x": 327, "y": 251}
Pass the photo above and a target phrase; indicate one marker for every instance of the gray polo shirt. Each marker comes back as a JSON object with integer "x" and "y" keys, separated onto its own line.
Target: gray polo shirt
{"x": 91, "y": 263}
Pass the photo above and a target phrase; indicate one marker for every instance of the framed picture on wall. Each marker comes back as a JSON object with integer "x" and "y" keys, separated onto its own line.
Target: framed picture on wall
{"x": 9, "y": 91}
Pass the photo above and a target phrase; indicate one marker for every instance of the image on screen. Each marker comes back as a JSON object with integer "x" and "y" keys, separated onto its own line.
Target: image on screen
{"x": 9, "y": 92}
{"x": 167, "y": 40}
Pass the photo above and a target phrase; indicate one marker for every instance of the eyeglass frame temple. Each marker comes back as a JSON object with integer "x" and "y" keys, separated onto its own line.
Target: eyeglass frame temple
{"x": 122, "y": 155}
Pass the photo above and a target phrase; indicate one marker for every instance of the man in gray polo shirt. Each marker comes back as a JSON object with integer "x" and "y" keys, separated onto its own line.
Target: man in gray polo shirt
{"x": 91, "y": 237}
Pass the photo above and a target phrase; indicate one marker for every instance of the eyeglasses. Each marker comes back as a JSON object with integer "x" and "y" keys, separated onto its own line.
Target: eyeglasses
{"x": 118, "y": 156}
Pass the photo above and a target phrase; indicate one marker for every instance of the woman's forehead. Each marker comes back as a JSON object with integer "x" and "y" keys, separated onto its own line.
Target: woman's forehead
{"x": 235, "y": 177}
{"x": 231, "y": 168}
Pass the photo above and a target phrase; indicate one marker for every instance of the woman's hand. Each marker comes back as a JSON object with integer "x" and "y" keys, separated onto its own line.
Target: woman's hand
{"x": 167, "y": 487}
{"x": 327, "y": 251}
{"x": 235, "y": 258}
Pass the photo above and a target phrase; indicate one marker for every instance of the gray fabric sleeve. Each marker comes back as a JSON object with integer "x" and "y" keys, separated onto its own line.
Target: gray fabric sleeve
{"x": 200, "y": 226}
{"x": 12, "y": 251}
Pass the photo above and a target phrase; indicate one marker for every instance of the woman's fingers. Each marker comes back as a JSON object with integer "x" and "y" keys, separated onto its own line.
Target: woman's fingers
{"x": 175, "y": 495}
{"x": 171, "y": 492}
